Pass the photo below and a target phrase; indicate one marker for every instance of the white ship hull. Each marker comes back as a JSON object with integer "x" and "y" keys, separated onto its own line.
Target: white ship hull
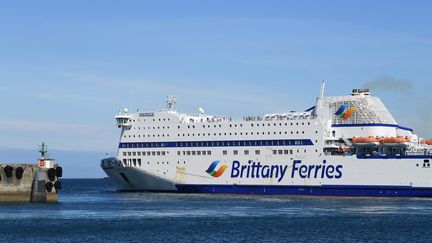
{"x": 358, "y": 177}
{"x": 308, "y": 153}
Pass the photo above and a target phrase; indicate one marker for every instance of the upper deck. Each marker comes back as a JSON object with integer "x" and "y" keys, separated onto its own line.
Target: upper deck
{"x": 333, "y": 122}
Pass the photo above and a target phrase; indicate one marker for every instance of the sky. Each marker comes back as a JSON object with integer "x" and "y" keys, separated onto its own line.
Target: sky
{"x": 67, "y": 67}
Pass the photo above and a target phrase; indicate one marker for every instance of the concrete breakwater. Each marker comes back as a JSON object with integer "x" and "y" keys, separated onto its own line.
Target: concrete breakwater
{"x": 29, "y": 183}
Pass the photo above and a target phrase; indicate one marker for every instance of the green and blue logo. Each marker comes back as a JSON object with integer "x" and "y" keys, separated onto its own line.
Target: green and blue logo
{"x": 344, "y": 112}
{"x": 212, "y": 169}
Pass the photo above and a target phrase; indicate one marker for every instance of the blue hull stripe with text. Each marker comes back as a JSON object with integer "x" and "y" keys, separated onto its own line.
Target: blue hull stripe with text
{"x": 325, "y": 190}
{"x": 227, "y": 143}
{"x": 394, "y": 157}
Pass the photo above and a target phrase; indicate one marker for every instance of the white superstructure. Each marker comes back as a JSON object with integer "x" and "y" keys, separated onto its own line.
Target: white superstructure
{"x": 344, "y": 145}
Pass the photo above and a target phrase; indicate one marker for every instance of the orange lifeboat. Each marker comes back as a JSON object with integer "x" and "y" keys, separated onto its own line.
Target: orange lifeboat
{"x": 395, "y": 140}
{"x": 427, "y": 142}
{"x": 365, "y": 140}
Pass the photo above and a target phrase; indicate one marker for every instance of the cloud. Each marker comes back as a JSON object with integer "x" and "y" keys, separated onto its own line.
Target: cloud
{"x": 389, "y": 83}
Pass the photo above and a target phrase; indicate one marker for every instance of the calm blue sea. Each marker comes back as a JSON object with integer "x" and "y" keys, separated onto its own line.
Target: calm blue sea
{"x": 90, "y": 210}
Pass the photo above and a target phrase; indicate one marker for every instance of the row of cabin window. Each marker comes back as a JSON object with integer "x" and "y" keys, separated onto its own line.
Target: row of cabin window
{"x": 220, "y": 134}
{"x": 144, "y": 153}
{"x": 131, "y": 162}
{"x": 241, "y": 125}
{"x": 287, "y": 151}
{"x": 137, "y": 162}
{"x": 148, "y": 128}
{"x": 159, "y": 119}
{"x": 235, "y": 134}
{"x": 245, "y": 152}
{"x": 217, "y": 143}
{"x": 236, "y": 152}
{"x": 231, "y": 125}
{"x": 143, "y": 135}
{"x": 280, "y": 124}
{"x": 203, "y": 152}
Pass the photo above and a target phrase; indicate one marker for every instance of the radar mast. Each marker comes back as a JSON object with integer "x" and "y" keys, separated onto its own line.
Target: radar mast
{"x": 43, "y": 150}
{"x": 171, "y": 100}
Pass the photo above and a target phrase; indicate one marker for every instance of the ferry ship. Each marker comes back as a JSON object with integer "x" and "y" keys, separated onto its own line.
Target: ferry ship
{"x": 343, "y": 146}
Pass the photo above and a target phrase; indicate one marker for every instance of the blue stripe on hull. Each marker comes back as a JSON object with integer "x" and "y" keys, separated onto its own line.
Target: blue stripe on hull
{"x": 351, "y": 191}
{"x": 373, "y": 125}
{"x": 225, "y": 143}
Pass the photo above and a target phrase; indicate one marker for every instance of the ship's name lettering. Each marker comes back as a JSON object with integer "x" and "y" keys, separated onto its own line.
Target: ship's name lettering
{"x": 255, "y": 169}
{"x": 146, "y": 114}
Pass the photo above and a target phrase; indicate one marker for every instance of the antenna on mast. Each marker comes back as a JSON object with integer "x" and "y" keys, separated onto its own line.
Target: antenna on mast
{"x": 171, "y": 100}
{"x": 322, "y": 89}
{"x": 43, "y": 150}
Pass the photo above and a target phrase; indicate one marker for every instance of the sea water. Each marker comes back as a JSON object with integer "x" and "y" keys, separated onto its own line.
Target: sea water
{"x": 91, "y": 210}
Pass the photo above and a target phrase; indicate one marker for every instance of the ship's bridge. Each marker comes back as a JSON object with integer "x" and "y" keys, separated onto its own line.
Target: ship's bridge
{"x": 123, "y": 119}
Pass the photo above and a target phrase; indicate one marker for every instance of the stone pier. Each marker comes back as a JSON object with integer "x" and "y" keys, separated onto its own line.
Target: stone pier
{"x": 29, "y": 183}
